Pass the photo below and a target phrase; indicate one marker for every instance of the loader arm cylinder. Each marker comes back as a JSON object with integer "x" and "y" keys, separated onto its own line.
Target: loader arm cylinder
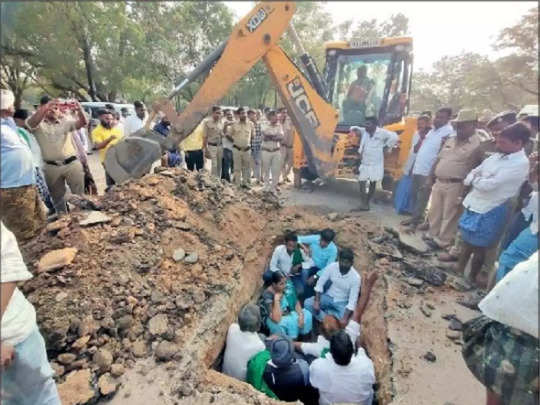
{"x": 203, "y": 68}
{"x": 249, "y": 41}
{"x": 314, "y": 118}
{"x": 312, "y": 71}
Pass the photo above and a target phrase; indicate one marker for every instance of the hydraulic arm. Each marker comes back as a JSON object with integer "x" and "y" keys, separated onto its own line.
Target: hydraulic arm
{"x": 254, "y": 37}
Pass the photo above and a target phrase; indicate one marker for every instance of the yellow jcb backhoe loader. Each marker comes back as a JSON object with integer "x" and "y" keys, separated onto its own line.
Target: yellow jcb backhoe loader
{"x": 321, "y": 142}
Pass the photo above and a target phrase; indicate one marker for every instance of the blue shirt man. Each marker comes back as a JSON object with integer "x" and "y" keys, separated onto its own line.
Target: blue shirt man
{"x": 323, "y": 253}
{"x": 16, "y": 158}
{"x": 323, "y": 249}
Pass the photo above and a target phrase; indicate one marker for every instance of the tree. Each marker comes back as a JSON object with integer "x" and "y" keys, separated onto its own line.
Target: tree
{"x": 474, "y": 81}
{"x": 520, "y": 68}
{"x": 397, "y": 25}
{"x": 114, "y": 50}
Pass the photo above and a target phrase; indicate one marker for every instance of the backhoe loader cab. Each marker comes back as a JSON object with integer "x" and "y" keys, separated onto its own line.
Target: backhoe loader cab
{"x": 370, "y": 79}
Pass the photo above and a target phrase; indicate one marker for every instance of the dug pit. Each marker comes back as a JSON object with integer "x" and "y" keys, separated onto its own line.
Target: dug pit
{"x": 132, "y": 319}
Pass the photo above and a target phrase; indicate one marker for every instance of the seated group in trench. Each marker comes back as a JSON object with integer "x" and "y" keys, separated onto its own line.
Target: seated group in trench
{"x": 302, "y": 339}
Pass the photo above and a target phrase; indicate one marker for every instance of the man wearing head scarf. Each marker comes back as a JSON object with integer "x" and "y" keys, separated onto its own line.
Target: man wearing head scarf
{"x": 286, "y": 376}
{"x": 20, "y": 205}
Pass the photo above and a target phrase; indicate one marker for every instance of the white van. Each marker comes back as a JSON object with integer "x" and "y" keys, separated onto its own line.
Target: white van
{"x": 92, "y": 107}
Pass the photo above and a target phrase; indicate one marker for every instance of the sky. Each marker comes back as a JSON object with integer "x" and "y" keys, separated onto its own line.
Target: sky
{"x": 438, "y": 28}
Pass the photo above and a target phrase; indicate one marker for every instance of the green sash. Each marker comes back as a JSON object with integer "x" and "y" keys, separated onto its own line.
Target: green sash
{"x": 255, "y": 371}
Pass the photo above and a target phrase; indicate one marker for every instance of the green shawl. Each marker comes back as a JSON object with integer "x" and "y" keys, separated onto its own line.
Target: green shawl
{"x": 255, "y": 371}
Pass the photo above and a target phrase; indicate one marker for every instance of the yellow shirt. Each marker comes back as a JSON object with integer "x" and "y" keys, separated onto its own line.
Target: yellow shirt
{"x": 100, "y": 134}
{"x": 195, "y": 140}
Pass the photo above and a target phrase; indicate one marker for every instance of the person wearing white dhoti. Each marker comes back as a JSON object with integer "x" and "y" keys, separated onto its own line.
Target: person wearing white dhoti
{"x": 373, "y": 141}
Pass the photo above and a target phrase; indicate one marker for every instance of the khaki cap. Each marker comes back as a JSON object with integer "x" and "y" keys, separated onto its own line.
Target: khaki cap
{"x": 466, "y": 115}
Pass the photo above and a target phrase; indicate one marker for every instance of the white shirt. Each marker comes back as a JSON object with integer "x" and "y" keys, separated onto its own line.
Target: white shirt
{"x": 281, "y": 260}
{"x": 19, "y": 319}
{"x": 351, "y": 384}
{"x": 226, "y": 142}
{"x": 426, "y": 156}
{"x": 353, "y": 329}
{"x": 371, "y": 152}
{"x": 240, "y": 347}
{"x": 133, "y": 123}
{"x": 495, "y": 180}
{"x": 530, "y": 211}
{"x": 514, "y": 300}
{"x": 344, "y": 287}
{"x": 412, "y": 156}
{"x": 82, "y": 133}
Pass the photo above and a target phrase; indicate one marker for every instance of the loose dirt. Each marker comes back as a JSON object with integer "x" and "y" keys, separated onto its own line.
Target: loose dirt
{"x": 131, "y": 320}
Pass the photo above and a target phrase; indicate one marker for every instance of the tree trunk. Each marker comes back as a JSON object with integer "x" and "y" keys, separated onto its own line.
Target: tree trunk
{"x": 88, "y": 63}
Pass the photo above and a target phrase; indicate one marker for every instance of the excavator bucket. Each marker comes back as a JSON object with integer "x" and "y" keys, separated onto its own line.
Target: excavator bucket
{"x": 133, "y": 157}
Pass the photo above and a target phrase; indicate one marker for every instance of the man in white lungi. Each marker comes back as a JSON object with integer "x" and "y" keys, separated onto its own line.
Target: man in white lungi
{"x": 373, "y": 141}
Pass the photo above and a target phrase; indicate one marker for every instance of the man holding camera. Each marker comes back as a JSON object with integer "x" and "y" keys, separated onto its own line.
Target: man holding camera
{"x": 52, "y": 128}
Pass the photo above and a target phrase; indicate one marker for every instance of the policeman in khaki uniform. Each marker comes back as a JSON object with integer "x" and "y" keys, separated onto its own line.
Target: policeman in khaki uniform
{"x": 272, "y": 134}
{"x": 241, "y": 132}
{"x": 460, "y": 154}
{"x": 212, "y": 133}
{"x": 286, "y": 144}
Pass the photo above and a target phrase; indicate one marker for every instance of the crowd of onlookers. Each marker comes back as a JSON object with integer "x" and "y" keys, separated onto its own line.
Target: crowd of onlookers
{"x": 470, "y": 185}
{"x": 480, "y": 178}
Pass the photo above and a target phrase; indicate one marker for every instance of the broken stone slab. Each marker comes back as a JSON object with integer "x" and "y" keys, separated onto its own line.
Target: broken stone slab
{"x": 382, "y": 250}
{"x": 192, "y": 258}
{"x": 453, "y": 334}
{"x": 412, "y": 243}
{"x": 425, "y": 310}
{"x": 80, "y": 343}
{"x": 95, "y": 217}
{"x": 88, "y": 326}
{"x": 333, "y": 216}
{"x": 76, "y": 389}
{"x": 56, "y": 259}
{"x": 66, "y": 358}
{"x": 459, "y": 284}
{"x": 139, "y": 348}
{"x": 117, "y": 370}
{"x": 103, "y": 359}
{"x": 419, "y": 270}
{"x": 179, "y": 255}
{"x": 166, "y": 350}
{"x": 415, "y": 282}
{"x": 429, "y": 356}
{"x": 158, "y": 325}
{"x": 58, "y": 369}
{"x": 183, "y": 226}
{"x": 60, "y": 296}
{"x": 58, "y": 224}
{"x": 106, "y": 384}
{"x": 455, "y": 324}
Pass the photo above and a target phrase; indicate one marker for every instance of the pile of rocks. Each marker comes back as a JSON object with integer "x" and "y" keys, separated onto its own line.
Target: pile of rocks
{"x": 126, "y": 279}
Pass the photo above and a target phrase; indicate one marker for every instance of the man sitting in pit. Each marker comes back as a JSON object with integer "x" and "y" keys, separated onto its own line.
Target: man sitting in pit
{"x": 243, "y": 342}
{"x": 344, "y": 375}
{"x": 286, "y": 317}
{"x": 330, "y": 325}
{"x": 323, "y": 251}
{"x": 341, "y": 298}
{"x": 286, "y": 258}
{"x": 287, "y": 377}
